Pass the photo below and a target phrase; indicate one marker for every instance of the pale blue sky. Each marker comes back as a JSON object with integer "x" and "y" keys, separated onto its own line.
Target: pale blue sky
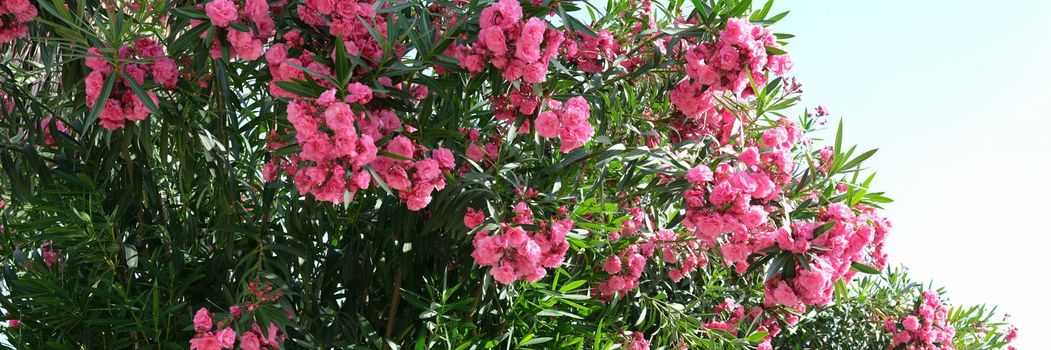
{"x": 955, "y": 95}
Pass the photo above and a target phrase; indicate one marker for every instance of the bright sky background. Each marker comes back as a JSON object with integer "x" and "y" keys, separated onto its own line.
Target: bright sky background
{"x": 955, "y": 94}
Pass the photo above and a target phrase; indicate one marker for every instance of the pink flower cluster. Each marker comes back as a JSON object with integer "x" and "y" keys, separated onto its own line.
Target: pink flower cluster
{"x": 123, "y": 105}
{"x": 734, "y": 311}
{"x": 337, "y": 143}
{"x": 734, "y": 314}
{"x": 729, "y": 207}
{"x": 593, "y": 54}
{"x": 247, "y": 45}
{"x": 851, "y": 238}
{"x": 345, "y": 19}
{"x": 519, "y": 49}
{"x": 414, "y": 180}
{"x": 256, "y": 339}
{"x": 206, "y": 339}
{"x": 285, "y": 68}
{"x": 519, "y": 101}
{"x": 738, "y": 198}
{"x": 332, "y": 149}
{"x": 732, "y": 198}
{"x": 732, "y": 63}
{"x": 685, "y": 255}
{"x": 637, "y": 342}
{"x": 225, "y": 336}
{"x": 926, "y": 328}
{"x": 625, "y": 268}
{"x": 473, "y": 218}
{"x": 14, "y": 14}
{"x": 568, "y": 122}
{"x": 515, "y": 254}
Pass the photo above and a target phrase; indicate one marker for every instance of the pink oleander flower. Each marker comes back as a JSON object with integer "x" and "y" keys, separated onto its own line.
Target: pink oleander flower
{"x": 243, "y": 44}
{"x": 593, "y": 54}
{"x": 569, "y": 122}
{"x": 547, "y": 124}
{"x": 14, "y": 15}
{"x": 202, "y": 321}
{"x": 358, "y": 93}
{"x": 911, "y": 323}
{"x": 50, "y": 255}
{"x": 166, "y": 72}
{"x": 473, "y": 218}
{"x": 13, "y": 323}
{"x": 221, "y": 12}
{"x": 226, "y": 338}
{"x": 96, "y": 62}
{"x": 250, "y": 341}
{"x": 699, "y": 174}
{"x": 123, "y": 105}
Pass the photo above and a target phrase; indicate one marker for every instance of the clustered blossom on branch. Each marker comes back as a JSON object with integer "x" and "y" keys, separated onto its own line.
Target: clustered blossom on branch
{"x": 518, "y": 49}
{"x": 625, "y": 269}
{"x": 568, "y": 122}
{"x": 732, "y": 64}
{"x": 740, "y": 196}
{"x": 337, "y": 143}
{"x": 926, "y": 328}
{"x": 344, "y": 19}
{"x": 851, "y": 238}
{"x": 516, "y": 254}
{"x": 144, "y": 58}
{"x": 225, "y": 336}
{"x": 594, "y": 54}
{"x": 206, "y": 339}
{"x": 685, "y": 255}
{"x": 236, "y": 19}
{"x": 14, "y": 14}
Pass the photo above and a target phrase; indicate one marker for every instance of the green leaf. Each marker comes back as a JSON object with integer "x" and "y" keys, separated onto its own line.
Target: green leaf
{"x": 190, "y": 13}
{"x": 756, "y": 337}
{"x": 773, "y": 51}
{"x": 342, "y": 63}
{"x": 537, "y": 340}
{"x": 145, "y": 98}
{"x": 557, "y": 313}
{"x": 864, "y": 268}
{"x": 776, "y": 265}
{"x": 299, "y": 88}
{"x": 839, "y": 139}
{"x": 571, "y": 286}
{"x": 820, "y": 230}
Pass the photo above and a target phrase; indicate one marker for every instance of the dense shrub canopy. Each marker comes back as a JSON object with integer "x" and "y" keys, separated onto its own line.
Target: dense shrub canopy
{"x": 436, "y": 174}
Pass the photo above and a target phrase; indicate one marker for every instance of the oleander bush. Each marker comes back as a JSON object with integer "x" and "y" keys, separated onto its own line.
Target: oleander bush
{"x": 437, "y": 174}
